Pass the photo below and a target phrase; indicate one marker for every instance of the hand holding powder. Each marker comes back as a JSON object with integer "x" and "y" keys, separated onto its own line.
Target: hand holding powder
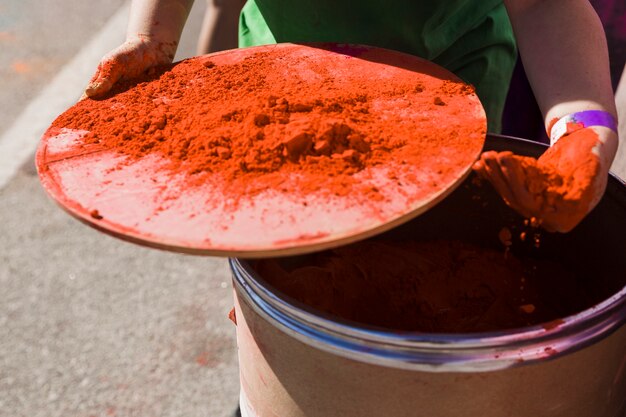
{"x": 559, "y": 188}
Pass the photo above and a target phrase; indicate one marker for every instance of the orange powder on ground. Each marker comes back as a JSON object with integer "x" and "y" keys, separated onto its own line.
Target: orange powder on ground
{"x": 21, "y": 67}
{"x": 6, "y": 36}
{"x": 249, "y": 124}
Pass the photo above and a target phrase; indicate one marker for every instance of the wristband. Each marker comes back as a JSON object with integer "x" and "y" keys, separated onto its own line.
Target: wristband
{"x": 575, "y": 121}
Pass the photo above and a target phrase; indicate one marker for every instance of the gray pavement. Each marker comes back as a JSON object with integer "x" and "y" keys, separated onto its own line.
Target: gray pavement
{"x": 37, "y": 37}
{"x": 90, "y": 325}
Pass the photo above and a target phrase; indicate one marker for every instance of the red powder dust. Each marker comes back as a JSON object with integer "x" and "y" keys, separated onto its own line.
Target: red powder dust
{"x": 249, "y": 124}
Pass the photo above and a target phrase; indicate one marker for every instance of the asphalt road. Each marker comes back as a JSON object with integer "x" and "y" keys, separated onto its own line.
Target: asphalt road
{"x": 89, "y": 325}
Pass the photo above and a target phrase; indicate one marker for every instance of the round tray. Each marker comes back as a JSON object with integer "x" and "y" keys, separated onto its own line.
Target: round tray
{"x": 143, "y": 201}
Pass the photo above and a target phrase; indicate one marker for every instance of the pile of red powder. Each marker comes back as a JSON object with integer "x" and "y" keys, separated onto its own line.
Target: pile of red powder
{"x": 246, "y": 120}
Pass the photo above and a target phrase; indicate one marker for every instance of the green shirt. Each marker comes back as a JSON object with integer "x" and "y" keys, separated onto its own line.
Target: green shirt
{"x": 472, "y": 38}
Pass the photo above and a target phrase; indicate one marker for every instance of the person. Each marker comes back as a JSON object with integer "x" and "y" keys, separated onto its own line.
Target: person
{"x": 522, "y": 116}
{"x": 561, "y": 42}
{"x": 219, "y": 27}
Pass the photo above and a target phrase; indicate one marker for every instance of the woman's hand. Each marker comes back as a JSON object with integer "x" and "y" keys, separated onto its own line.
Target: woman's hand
{"x": 129, "y": 60}
{"x": 560, "y": 187}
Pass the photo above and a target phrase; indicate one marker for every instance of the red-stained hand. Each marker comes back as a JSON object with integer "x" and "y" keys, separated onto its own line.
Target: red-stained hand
{"x": 561, "y": 187}
{"x": 129, "y": 60}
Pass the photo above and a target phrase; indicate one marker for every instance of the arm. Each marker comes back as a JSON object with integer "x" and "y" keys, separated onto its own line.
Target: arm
{"x": 564, "y": 51}
{"x": 219, "y": 28}
{"x": 161, "y": 20}
{"x": 152, "y": 37}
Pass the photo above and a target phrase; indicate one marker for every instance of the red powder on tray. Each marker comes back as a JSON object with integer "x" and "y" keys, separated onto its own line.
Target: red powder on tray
{"x": 434, "y": 286}
{"x": 250, "y": 125}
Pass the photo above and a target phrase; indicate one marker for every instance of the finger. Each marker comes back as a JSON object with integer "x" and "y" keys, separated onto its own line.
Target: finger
{"x": 497, "y": 179}
{"x": 108, "y": 73}
{"x": 479, "y": 166}
{"x": 516, "y": 177}
{"x": 98, "y": 87}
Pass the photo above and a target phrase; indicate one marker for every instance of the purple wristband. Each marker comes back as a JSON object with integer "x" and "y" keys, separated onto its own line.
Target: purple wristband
{"x": 572, "y": 122}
